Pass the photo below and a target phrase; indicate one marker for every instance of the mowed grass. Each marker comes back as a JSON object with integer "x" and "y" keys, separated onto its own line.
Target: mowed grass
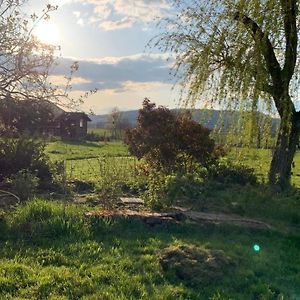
{"x": 62, "y": 150}
{"x": 91, "y": 161}
{"x": 50, "y": 250}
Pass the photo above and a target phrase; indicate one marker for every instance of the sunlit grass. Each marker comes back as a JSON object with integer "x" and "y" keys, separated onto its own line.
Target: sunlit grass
{"x": 80, "y": 150}
{"x": 49, "y": 250}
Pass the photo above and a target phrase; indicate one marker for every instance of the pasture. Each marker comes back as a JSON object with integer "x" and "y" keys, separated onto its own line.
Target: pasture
{"x": 86, "y": 160}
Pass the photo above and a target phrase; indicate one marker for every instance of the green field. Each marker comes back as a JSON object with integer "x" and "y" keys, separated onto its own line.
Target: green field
{"x": 92, "y": 160}
{"x": 82, "y": 150}
{"x": 84, "y": 159}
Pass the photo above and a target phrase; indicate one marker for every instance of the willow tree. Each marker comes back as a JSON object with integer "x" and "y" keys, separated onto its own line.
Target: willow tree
{"x": 238, "y": 50}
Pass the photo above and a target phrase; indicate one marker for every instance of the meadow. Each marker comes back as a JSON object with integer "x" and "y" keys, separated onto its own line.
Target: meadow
{"x": 51, "y": 250}
{"x": 84, "y": 160}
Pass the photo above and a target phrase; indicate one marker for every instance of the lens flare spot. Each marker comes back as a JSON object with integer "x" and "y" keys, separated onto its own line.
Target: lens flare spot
{"x": 256, "y": 248}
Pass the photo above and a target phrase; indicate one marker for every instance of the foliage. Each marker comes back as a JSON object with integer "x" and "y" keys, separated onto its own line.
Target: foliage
{"x": 167, "y": 141}
{"x": 24, "y": 184}
{"x": 227, "y": 172}
{"x": 25, "y": 61}
{"x": 28, "y": 154}
{"x": 109, "y": 183}
{"x": 40, "y": 219}
{"x": 116, "y": 123}
{"x": 163, "y": 190}
{"x": 243, "y": 54}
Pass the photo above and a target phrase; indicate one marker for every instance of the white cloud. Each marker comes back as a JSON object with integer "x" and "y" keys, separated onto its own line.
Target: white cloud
{"x": 118, "y": 14}
{"x": 126, "y": 22}
{"x": 80, "y": 22}
{"x": 61, "y": 80}
{"x": 132, "y": 86}
{"x": 77, "y": 13}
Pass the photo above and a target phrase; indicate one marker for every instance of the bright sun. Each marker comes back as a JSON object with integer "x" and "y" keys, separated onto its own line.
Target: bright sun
{"x": 47, "y": 32}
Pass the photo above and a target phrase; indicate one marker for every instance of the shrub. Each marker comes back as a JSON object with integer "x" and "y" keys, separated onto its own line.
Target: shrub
{"x": 24, "y": 184}
{"x": 163, "y": 189}
{"x": 168, "y": 141}
{"x": 26, "y": 153}
{"x": 233, "y": 173}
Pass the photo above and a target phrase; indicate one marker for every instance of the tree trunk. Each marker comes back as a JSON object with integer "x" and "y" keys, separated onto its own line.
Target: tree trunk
{"x": 287, "y": 141}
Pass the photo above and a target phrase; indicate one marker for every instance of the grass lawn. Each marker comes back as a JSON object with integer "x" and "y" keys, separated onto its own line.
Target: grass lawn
{"x": 82, "y": 150}
{"x": 89, "y": 161}
{"x": 51, "y": 251}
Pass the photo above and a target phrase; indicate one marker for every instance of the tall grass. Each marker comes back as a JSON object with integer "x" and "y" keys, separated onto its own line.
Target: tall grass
{"x": 39, "y": 220}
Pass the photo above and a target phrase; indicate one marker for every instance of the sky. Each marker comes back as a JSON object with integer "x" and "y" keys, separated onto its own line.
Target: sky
{"x": 109, "y": 39}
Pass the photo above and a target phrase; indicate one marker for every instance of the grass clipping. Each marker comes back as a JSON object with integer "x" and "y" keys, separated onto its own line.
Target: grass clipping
{"x": 195, "y": 266}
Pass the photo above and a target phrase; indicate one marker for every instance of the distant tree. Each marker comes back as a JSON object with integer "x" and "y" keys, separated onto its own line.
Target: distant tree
{"x": 244, "y": 53}
{"x": 167, "y": 140}
{"x": 116, "y": 123}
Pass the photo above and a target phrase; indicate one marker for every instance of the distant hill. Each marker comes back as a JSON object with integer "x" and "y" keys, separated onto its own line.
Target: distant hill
{"x": 208, "y": 118}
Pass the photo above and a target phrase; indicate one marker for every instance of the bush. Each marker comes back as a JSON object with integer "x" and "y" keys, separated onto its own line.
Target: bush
{"x": 24, "y": 184}
{"x": 168, "y": 141}
{"x": 163, "y": 189}
{"x": 26, "y": 153}
{"x": 232, "y": 173}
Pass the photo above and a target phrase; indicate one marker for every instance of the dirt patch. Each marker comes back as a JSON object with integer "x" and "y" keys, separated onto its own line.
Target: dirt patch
{"x": 194, "y": 265}
{"x": 133, "y": 208}
{"x": 225, "y": 218}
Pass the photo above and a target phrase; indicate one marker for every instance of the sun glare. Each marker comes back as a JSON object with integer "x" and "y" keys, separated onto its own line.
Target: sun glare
{"x": 47, "y": 32}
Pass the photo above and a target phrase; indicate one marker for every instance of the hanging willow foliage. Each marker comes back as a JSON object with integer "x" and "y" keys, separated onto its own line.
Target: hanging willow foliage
{"x": 240, "y": 55}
